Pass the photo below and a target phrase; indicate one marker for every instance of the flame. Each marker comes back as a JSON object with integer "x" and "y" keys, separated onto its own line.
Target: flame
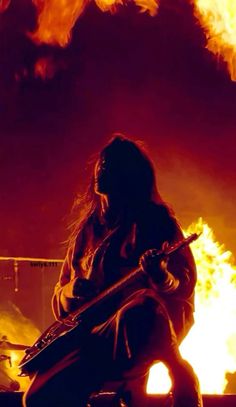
{"x": 56, "y": 18}
{"x": 218, "y": 18}
{"x": 210, "y": 345}
{"x": 19, "y": 330}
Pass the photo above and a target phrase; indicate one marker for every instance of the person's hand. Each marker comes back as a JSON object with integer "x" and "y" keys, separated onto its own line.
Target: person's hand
{"x": 155, "y": 264}
{"x": 83, "y": 287}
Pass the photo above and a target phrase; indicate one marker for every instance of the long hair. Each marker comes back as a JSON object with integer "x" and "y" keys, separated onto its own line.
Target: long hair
{"x": 138, "y": 183}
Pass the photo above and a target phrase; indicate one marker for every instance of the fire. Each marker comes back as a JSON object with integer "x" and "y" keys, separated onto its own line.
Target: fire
{"x": 218, "y": 18}
{"x": 210, "y": 345}
{"x": 18, "y": 330}
{"x": 56, "y": 18}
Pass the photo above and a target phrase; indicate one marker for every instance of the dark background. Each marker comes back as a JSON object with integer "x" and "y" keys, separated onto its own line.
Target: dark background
{"x": 149, "y": 77}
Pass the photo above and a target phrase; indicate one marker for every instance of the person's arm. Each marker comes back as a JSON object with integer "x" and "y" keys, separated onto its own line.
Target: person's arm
{"x": 182, "y": 265}
{"x": 70, "y": 293}
{"x": 176, "y": 274}
{"x": 156, "y": 266}
{"x": 63, "y": 299}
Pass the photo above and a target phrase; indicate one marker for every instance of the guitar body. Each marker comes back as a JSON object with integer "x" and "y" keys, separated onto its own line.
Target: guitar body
{"x": 55, "y": 343}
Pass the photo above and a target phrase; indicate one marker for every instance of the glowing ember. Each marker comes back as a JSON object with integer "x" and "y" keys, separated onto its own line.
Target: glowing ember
{"x": 210, "y": 345}
{"x": 218, "y": 18}
{"x": 56, "y": 18}
{"x": 44, "y": 68}
{"x": 18, "y": 330}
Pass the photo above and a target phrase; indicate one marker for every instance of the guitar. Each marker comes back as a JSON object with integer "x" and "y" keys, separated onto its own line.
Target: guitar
{"x": 53, "y": 344}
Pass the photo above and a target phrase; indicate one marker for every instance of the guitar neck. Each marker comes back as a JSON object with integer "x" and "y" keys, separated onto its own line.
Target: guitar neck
{"x": 125, "y": 281}
{"x": 107, "y": 294}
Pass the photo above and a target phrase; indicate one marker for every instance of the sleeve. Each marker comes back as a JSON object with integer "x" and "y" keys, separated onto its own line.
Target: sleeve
{"x": 181, "y": 264}
{"x": 63, "y": 299}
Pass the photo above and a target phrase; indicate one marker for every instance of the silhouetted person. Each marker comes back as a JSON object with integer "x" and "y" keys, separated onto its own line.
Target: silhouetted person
{"x": 122, "y": 219}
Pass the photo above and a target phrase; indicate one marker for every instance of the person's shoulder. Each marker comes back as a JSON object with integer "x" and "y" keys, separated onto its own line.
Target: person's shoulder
{"x": 154, "y": 215}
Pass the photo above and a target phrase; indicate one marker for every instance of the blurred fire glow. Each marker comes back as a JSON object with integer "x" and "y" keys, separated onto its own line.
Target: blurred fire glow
{"x": 46, "y": 67}
{"x": 210, "y": 345}
{"x": 218, "y": 18}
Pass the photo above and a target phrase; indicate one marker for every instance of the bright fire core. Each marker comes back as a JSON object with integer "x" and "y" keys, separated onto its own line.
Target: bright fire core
{"x": 210, "y": 345}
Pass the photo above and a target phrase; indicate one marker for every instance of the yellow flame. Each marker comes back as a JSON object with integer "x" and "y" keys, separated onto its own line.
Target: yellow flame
{"x": 19, "y": 330}
{"x": 210, "y": 345}
{"x": 56, "y": 18}
{"x": 218, "y": 18}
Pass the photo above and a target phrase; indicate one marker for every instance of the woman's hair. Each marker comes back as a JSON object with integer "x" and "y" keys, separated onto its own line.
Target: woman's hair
{"x": 134, "y": 176}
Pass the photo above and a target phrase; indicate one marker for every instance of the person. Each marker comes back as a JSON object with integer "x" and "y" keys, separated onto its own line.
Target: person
{"x": 122, "y": 224}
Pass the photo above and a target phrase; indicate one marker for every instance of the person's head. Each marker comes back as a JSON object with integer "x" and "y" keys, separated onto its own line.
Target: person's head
{"x": 124, "y": 171}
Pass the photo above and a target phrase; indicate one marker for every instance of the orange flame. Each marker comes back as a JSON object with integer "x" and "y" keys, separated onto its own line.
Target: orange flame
{"x": 56, "y": 18}
{"x": 218, "y": 18}
{"x": 210, "y": 345}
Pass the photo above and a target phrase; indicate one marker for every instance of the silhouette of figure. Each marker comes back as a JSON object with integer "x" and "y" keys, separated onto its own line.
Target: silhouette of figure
{"x": 122, "y": 220}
